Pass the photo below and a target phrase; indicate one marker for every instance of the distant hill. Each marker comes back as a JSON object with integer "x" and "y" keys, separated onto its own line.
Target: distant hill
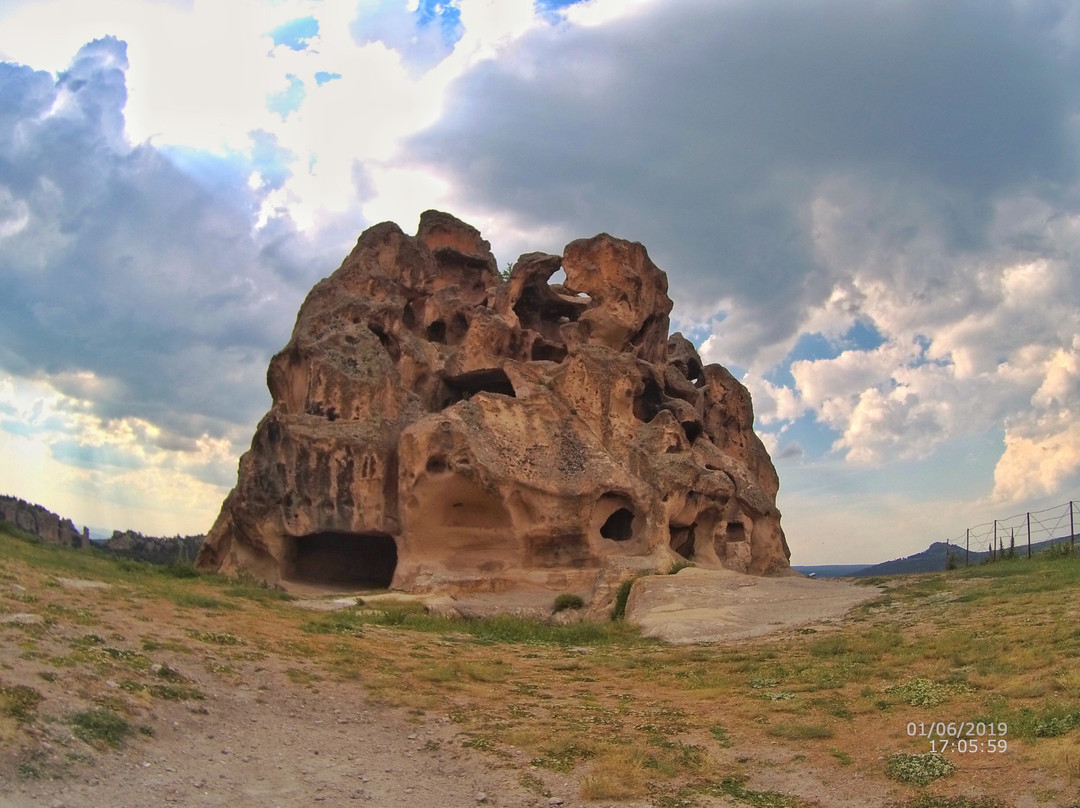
{"x": 932, "y": 559}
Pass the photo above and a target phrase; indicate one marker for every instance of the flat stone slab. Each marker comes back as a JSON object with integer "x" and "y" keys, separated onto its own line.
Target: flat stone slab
{"x": 22, "y": 619}
{"x": 698, "y": 605}
{"x": 81, "y": 583}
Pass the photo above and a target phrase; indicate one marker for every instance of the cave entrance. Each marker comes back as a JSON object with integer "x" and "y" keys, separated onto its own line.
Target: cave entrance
{"x": 366, "y": 560}
{"x": 619, "y": 526}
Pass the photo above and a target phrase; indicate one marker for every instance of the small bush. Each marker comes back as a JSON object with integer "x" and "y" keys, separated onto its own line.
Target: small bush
{"x": 918, "y": 769}
{"x": 100, "y": 726}
{"x": 679, "y": 566}
{"x": 19, "y": 702}
{"x": 181, "y": 569}
{"x": 568, "y": 600}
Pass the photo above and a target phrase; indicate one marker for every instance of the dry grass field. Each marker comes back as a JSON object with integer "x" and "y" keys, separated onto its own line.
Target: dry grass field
{"x": 954, "y": 690}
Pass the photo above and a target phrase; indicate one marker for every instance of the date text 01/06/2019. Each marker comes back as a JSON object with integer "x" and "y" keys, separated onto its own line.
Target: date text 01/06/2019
{"x": 962, "y": 736}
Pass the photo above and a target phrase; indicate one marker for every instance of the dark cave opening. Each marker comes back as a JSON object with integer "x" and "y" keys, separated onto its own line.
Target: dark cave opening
{"x": 465, "y": 386}
{"x": 682, "y": 540}
{"x": 647, "y": 402}
{"x": 619, "y": 526}
{"x": 342, "y": 559}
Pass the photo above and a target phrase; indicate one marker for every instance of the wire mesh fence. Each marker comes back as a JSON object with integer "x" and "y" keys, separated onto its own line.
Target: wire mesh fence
{"x": 1022, "y": 534}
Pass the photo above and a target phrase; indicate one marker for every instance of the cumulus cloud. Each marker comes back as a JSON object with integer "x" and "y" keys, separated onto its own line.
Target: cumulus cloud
{"x": 706, "y": 130}
{"x": 144, "y": 291}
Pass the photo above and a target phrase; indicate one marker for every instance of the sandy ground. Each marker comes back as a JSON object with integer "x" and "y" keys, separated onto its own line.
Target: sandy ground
{"x": 267, "y": 741}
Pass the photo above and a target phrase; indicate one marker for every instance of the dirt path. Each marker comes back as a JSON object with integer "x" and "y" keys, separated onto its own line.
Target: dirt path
{"x": 270, "y": 743}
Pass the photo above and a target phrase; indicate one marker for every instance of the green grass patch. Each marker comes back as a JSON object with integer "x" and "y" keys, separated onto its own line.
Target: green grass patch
{"x": 100, "y": 727}
{"x": 19, "y": 702}
{"x": 500, "y": 629}
{"x": 918, "y": 770}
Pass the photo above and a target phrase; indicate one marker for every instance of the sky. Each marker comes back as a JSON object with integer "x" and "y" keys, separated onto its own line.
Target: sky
{"x": 869, "y": 212}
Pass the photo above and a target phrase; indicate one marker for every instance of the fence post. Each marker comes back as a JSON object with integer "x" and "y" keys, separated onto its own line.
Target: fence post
{"x": 993, "y": 544}
{"x": 1029, "y": 534}
{"x": 1072, "y": 532}
{"x": 967, "y": 546}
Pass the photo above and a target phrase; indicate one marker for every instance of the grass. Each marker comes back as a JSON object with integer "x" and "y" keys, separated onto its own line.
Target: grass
{"x": 100, "y": 727}
{"x": 630, "y": 719}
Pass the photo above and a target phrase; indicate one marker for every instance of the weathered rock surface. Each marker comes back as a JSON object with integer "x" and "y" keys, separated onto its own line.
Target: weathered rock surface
{"x": 435, "y": 427}
{"x": 702, "y": 605}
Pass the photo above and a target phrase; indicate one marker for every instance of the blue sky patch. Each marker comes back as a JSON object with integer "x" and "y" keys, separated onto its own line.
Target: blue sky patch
{"x": 445, "y": 14}
{"x": 287, "y": 100}
{"x": 325, "y": 77}
{"x": 295, "y": 34}
{"x": 862, "y": 336}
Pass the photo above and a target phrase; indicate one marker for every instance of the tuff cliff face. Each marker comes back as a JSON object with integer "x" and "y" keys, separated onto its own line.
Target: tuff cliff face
{"x": 434, "y": 426}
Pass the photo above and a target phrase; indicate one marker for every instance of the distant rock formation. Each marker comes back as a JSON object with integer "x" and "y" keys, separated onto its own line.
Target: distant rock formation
{"x": 436, "y": 427}
{"x": 153, "y": 549}
{"x": 44, "y": 524}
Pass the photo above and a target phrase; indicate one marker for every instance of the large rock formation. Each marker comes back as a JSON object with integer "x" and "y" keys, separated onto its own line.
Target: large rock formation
{"x": 435, "y": 426}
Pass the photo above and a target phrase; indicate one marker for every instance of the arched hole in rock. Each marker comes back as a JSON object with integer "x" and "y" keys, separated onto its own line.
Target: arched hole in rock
{"x": 694, "y": 372}
{"x": 736, "y": 531}
{"x": 619, "y": 526}
{"x": 342, "y": 559}
{"x": 544, "y": 350}
{"x": 692, "y": 429}
{"x": 682, "y": 540}
{"x": 647, "y": 402}
{"x": 436, "y": 332}
{"x": 436, "y": 465}
{"x": 459, "y": 388}
{"x": 541, "y": 309}
{"x": 388, "y": 342}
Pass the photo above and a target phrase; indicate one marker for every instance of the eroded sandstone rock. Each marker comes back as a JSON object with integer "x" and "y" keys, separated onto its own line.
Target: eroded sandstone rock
{"x": 434, "y": 427}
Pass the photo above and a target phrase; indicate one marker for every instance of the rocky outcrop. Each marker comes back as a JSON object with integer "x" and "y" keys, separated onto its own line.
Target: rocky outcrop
{"x": 43, "y": 523}
{"x": 436, "y": 427}
{"x": 153, "y": 549}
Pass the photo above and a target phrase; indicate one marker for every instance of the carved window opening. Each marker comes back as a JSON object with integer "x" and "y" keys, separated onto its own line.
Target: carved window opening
{"x": 465, "y": 386}
{"x": 682, "y": 540}
{"x": 619, "y": 526}
{"x": 648, "y": 402}
{"x": 436, "y": 332}
{"x": 736, "y": 531}
{"x": 360, "y": 560}
{"x": 544, "y": 350}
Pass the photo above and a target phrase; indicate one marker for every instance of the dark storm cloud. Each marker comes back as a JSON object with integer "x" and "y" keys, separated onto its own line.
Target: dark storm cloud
{"x": 118, "y": 263}
{"x": 704, "y": 128}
